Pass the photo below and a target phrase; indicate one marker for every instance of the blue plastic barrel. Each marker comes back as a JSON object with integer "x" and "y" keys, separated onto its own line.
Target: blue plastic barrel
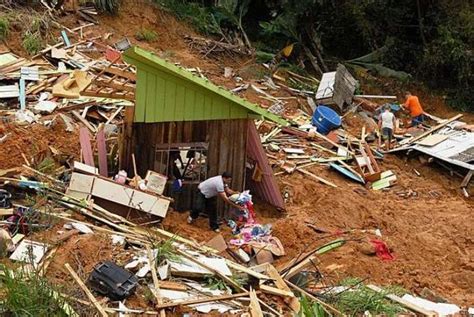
{"x": 325, "y": 119}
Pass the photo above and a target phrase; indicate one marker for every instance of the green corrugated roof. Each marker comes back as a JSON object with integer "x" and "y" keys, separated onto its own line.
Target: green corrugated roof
{"x": 151, "y": 70}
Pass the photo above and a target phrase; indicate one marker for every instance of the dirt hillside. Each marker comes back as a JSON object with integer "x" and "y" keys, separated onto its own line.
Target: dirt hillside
{"x": 430, "y": 233}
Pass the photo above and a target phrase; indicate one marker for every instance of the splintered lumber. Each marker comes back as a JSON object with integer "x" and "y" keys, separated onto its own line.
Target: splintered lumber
{"x": 319, "y": 135}
{"x": 403, "y": 302}
{"x": 201, "y": 300}
{"x": 84, "y": 121}
{"x": 81, "y": 284}
{"x": 255, "y": 309}
{"x": 435, "y": 128}
{"x": 156, "y": 285}
{"x": 297, "y": 268}
{"x": 322, "y": 180}
{"x": 293, "y": 302}
{"x": 275, "y": 291}
{"x": 227, "y": 279}
{"x": 245, "y": 269}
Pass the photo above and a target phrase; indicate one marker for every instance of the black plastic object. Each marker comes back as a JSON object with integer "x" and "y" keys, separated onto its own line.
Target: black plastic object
{"x": 5, "y": 197}
{"x": 112, "y": 281}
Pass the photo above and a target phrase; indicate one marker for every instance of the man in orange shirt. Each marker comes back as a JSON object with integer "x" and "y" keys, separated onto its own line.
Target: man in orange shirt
{"x": 412, "y": 105}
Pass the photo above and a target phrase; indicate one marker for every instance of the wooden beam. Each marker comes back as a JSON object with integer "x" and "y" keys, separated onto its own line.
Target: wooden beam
{"x": 84, "y": 121}
{"x": 156, "y": 284}
{"x": 322, "y": 180}
{"x": 467, "y": 179}
{"x": 122, "y": 73}
{"x": 201, "y": 300}
{"x": 404, "y": 302}
{"x": 129, "y": 97}
{"x": 255, "y": 309}
{"x": 276, "y": 291}
{"x": 86, "y": 290}
{"x": 293, "y": 302}
{"x": 433, "y": 129}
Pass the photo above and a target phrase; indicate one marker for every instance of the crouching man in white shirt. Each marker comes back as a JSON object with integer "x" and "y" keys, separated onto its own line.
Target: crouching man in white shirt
{"x": 206, "y": 199}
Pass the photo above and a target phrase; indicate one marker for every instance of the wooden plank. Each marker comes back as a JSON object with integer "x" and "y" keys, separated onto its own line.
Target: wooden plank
{"x": 467, "y": 179}
{"x": 255, "y": 309}
{"x": 121, "y": 73}
{"x": 84, "y": 121}
{"x": 81, "y": 284}
{"x": 322, "y": 180}
{"x": 435, "y": 128}
{"x": 294, "y": 303}
{"x": 156, "y": 284}
{"x": 297, "y": 268}
{"x": 127, "y": 96}
{"x": 404, "y": 302}
{"x": 113, "y": 85}
{"x": 247, "y": 270}
{"x": 86, "y": 147}
{"x": 276, "y": 291}
{"x": 202, "y": 300}
{"x": 432, "y": 140}
{"x": 112, "y": 117}
{"x": 102, "y": 152}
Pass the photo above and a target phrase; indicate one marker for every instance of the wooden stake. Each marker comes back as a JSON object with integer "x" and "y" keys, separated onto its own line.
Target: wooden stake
{"x": 255, "y": 309}
{"x": 86, "y": 290}
{"x": 156, "y": 284}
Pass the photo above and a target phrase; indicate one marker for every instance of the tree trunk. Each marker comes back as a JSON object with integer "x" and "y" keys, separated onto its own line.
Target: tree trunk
{"x": 420, "y": 23}
{"x": 312, "y": 59}
{"x": 314, "y": 42}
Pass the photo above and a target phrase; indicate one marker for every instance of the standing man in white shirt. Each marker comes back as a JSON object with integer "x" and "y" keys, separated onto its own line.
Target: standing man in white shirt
{"x": 206, "y": 199}
{"x": 387, "y": 124}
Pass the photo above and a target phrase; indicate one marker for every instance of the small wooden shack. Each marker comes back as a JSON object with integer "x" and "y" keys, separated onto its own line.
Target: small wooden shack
{"x": 182, "y": 120}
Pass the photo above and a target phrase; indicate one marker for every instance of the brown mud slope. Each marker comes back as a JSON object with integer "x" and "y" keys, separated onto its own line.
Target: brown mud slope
{"x": 36, "y": 142}
{"x": 430, "y": 233}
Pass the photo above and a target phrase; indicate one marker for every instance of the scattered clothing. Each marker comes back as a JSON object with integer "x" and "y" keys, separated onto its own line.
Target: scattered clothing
{"x": 382, "y": 250}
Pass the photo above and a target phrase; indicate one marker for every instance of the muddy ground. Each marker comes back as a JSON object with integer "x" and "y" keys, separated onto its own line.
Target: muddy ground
{"x": 430, "y": 233}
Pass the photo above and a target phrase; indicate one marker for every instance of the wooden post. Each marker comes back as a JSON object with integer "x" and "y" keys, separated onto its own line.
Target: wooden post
{"x": 86, "y": 290}
{"x": 156, "y": 284}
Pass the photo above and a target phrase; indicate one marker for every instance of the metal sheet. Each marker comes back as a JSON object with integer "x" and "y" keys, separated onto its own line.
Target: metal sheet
{"x": 268, "y": 188}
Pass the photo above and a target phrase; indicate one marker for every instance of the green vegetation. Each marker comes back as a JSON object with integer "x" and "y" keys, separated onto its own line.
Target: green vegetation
{"x": 31, "y": 43}
{"x": 215, "y": 283}
{"x": 28, "y": 294}
{"x": 110, "y": 6}
{"x": 165, "y": 250}
{"x": 4, "y": 27}
{"x": 358, "y": 299}
{"x": 146, "y": 35}
{"x": 311, "y": 309}
{"x": 432, "y": 43}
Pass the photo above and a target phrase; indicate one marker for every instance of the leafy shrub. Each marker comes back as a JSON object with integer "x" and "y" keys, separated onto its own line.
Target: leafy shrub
{"x": 110, "y": 6}
{"x": 146, "y": 35}
{"x": 4, "y": 28}
{"x": 28, "y": 294}
{"x": 31, "y": 43}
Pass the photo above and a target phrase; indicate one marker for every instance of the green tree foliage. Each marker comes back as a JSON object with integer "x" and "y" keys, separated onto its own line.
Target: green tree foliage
{"x": 431, "y": 39}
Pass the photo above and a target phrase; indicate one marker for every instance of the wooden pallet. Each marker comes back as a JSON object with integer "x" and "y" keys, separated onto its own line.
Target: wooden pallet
{"x": 113, "y": 82}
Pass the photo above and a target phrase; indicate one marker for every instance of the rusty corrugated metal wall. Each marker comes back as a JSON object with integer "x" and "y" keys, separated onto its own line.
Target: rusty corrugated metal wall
{"x": 268, "y": 188}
